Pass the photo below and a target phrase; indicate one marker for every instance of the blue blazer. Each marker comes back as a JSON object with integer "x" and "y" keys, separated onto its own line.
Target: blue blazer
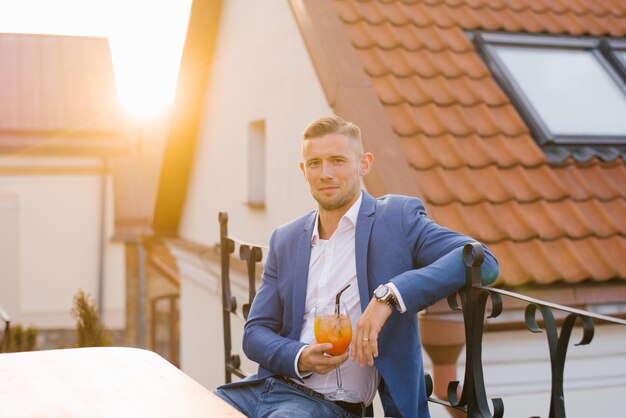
{"x": 395, "y": 242}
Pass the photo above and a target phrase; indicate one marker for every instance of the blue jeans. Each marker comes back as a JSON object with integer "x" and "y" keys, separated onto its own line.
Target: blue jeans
{"x": 275, "y": 398}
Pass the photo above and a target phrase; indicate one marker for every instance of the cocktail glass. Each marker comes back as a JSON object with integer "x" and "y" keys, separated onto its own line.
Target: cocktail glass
{"x": 332, "y": 325}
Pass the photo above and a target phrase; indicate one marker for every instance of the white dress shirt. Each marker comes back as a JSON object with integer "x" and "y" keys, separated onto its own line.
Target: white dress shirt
{"x": 331, "y": 268}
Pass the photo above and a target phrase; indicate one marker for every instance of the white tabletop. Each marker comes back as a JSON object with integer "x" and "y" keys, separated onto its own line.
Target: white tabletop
{"x": 101, "y": 382}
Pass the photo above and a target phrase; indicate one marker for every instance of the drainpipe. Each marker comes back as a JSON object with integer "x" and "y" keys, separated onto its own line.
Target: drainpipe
{"x": 443, "y": 340}
{"x": 141, "y": 254}
{"x": 103, "y": 207}
{"x": 141, "y": 295}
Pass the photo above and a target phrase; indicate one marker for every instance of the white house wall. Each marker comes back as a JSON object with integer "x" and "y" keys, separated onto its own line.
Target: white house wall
{"x": 260, "y": 73}
{"x": 51, "y": 247}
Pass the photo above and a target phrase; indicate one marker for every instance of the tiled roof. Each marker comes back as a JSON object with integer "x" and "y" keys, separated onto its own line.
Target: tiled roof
{"x": 58, "y": 94}
{"x": 478, "y": 169}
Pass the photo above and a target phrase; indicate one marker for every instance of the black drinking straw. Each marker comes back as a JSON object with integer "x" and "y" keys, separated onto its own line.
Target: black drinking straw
{"x": 337, "y": 305}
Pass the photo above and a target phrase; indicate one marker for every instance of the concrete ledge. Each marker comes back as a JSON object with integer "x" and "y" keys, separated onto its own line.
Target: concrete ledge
{"x": 101, "y": 382}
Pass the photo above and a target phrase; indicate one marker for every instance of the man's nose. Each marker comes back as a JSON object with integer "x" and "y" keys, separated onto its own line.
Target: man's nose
{"x": 326, "y": 170}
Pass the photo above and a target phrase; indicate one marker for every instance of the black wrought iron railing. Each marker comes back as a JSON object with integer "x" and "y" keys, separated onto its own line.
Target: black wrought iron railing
{"x": 4, "y": 342}
{"x": 252, "y": 255}
{"x": 474, "y": 298}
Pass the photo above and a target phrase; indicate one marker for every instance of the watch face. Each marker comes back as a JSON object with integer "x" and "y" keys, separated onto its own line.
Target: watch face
{"x": 381, "y": 291}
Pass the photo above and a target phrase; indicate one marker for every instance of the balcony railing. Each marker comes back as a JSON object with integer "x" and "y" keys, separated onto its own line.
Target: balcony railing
{"x": 252, "y": 255}
{"x": 473, "y": 298}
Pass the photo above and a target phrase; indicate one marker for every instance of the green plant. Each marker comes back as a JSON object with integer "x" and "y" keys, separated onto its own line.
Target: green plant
{"x": 19, "y": 339}
{"x": 90, "y": 332}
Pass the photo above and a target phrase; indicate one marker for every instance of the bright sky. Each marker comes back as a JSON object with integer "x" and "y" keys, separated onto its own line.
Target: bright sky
{"x": 146, "y": 38}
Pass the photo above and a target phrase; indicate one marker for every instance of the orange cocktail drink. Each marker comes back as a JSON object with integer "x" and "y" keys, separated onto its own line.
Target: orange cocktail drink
{"x": 335, "y": 329}
{"x": 332, "y": 325}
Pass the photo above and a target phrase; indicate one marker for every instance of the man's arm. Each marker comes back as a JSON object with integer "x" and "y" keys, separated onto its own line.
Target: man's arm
{"x": 262, "y": 342}
{"x": 439, "y": 251}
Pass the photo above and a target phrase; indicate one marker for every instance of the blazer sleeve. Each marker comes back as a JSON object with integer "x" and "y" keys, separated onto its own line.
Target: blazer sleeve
{"x": 437, "y": 253}
{"x": 262, "y": 341}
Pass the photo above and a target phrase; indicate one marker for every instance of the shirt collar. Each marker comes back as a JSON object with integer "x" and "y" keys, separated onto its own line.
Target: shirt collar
{"x": 350, "y": 216}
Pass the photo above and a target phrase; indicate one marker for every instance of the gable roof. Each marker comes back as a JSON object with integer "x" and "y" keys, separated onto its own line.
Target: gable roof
{"x": 58, "y": 95}
{"x": 407, "y": 73}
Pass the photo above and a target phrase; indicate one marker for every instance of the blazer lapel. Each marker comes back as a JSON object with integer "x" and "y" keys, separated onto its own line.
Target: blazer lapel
{"x": 364, "y": 224}
{"x": 303, "y": 258}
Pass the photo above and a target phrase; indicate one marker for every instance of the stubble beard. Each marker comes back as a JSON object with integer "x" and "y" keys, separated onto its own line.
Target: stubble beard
{"x": 339, "y": 201}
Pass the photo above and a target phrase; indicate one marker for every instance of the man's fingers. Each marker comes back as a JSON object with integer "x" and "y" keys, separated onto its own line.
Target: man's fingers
{"x": 373, "y": 342}
{"x": 320, "y": 348}
{"x": 364, "y": 347}
{"x": 365, "y": 342}
{"x": 368, "y": 340}
{"x": 327, "y": 363}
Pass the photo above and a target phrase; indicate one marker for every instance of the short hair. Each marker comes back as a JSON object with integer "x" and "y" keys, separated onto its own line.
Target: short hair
{"x": 334, "y": 125}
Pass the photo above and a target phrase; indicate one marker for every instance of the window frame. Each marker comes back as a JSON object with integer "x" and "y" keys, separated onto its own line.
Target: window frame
{"x": 601, "y": 48}
{"x": 609, "y": 48}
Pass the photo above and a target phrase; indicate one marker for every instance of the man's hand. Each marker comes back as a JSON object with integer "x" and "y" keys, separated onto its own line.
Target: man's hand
{"x": 312, "y": 359}
{"x": 365, "y": 343}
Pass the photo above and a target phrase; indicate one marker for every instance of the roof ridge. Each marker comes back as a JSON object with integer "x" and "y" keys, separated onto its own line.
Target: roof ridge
{"x": 530, "y": 201}
{"x": 430, "y": 3}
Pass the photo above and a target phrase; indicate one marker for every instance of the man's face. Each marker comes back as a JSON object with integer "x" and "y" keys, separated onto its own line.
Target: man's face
{"x": 333, "y": 168}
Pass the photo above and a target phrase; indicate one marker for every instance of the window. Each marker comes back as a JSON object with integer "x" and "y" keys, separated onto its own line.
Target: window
{"x": 256, "y": 164}
{"x": 570, "y": 91}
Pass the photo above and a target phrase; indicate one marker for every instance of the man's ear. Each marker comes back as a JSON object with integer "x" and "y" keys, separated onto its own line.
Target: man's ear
{"x": 366, "y": 163}
{"x": 302, "y": 169}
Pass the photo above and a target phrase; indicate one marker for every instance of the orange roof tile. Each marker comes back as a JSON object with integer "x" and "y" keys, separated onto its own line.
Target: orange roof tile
{"x": 477, "y": 167}
{"x": 474, "y": 151}
{"x": 573, "y": 261}
{"x": 443, "y": 91}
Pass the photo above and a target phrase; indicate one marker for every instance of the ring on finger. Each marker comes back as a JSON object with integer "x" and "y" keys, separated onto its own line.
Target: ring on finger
{"x": 365, "y": 339}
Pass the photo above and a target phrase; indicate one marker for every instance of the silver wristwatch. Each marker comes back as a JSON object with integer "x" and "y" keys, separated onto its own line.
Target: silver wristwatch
{"x": 383, "y": 293}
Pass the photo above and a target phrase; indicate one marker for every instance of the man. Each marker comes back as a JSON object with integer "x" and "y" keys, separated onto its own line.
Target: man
{"x": 397, "y": 262}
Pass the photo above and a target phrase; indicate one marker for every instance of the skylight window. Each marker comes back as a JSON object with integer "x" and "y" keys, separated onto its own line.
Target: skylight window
{"x": 568, "y": 91}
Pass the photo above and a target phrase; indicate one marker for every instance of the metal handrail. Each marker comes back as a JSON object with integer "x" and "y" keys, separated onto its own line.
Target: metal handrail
{"x": 474, "y": 297}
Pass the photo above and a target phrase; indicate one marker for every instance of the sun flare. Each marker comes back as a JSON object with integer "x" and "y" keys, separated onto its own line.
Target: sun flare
{"x": 146, "y": 39}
